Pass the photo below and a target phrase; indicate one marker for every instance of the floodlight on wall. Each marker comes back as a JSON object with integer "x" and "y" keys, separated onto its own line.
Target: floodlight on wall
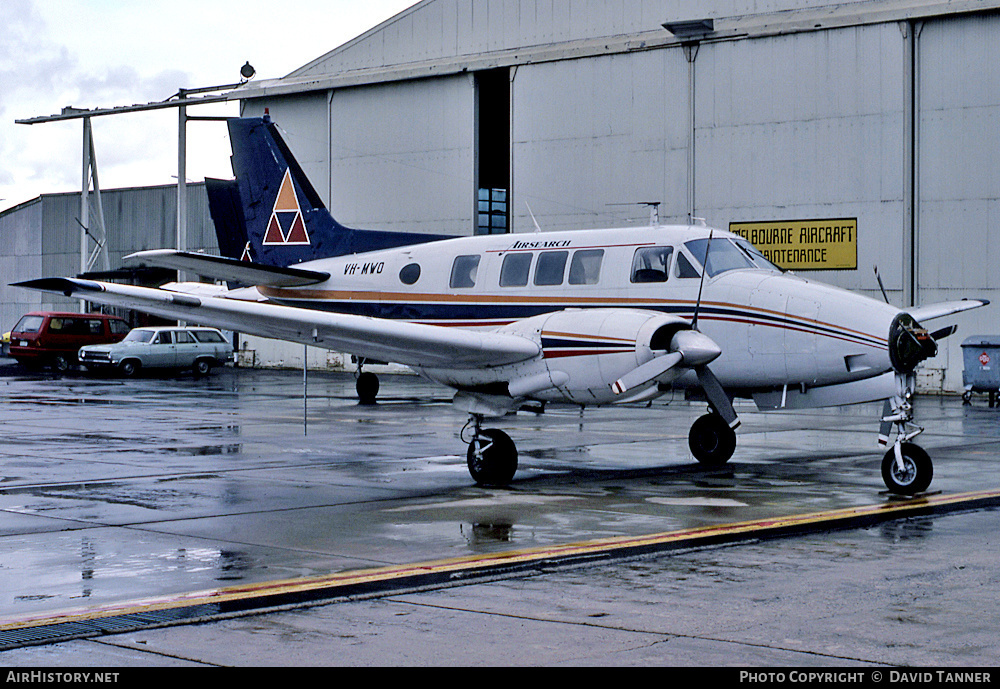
{"x": 691, "y": 29}
{"x": 247, "y": 71}
{"x": 691, "y": 33}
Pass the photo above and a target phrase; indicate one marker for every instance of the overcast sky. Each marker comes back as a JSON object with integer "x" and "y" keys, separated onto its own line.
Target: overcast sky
{"x": 104, "y": 53}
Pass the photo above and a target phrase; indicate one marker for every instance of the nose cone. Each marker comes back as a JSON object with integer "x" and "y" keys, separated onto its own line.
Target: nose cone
{"x": 695, "y": 348}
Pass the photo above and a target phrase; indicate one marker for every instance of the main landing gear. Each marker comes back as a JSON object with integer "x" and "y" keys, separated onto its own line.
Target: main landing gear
{"x": 711, "y": 440}
{"x": 906, "y": 468}
{"x": 492, "y": 455}
{"x": 366, "y": 385}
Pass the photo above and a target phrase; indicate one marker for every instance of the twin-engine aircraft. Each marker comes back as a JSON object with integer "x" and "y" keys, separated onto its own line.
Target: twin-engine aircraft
{"x": 588, "y": 317}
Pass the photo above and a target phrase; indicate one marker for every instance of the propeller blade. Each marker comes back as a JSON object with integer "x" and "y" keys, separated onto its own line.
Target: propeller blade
{"x": 717, "y": 397}
{"x": 943, "y": 332}
{"x": 647, "y": 372}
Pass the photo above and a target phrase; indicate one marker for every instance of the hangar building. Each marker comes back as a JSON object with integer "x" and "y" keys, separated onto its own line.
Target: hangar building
{"x": 458, "y": 117}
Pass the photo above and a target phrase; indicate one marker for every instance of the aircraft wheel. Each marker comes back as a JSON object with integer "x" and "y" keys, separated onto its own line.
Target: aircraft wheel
{"x": 367, "y": 387}
{"x": 916, "y": 475}
{"x": 711, "y": 440}
{"x": 492, "y": 458}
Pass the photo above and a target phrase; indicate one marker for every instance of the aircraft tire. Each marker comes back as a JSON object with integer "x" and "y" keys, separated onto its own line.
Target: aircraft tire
{"x": 367, "y": 388}
{"x": 917, "y": 476}
{"x": 711, "y": 440}
{"x": 496, "y": 463}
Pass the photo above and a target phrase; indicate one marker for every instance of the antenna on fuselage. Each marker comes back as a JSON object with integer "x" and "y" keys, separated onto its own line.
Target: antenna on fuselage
{"x": 701, "y": 285}
{"x": 537, "y": 227}
{"x": 880, "y": 285}
{"x": 654, "y": 212}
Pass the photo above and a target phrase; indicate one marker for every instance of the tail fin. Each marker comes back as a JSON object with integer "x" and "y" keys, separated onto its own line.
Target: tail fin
{"x": 285, "y": 219}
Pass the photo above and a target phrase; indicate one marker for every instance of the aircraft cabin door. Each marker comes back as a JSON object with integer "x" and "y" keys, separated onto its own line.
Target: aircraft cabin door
{"x": 766, "y": 336}
{"x": 801, "y": 340}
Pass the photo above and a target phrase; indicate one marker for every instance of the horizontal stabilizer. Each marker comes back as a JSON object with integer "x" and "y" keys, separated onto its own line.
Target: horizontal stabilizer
{"x": 228, "y": 269}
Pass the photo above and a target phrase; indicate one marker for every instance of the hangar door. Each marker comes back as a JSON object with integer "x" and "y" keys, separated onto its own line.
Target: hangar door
{"x": 957, "y": 152}
{"x": 402, "y": 155}
{"x": 594, "y": 138}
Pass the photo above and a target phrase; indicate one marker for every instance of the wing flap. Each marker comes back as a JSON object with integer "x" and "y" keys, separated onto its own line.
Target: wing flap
{"x": 229, "y": 269}
{"x": 412, "y": 344}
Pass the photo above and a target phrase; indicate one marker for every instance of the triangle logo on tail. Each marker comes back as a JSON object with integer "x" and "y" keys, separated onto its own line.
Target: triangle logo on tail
{"x": 287, "y": 226}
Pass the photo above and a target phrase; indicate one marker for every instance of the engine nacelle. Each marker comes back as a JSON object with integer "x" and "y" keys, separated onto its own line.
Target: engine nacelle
{"x": 585, "y": 351}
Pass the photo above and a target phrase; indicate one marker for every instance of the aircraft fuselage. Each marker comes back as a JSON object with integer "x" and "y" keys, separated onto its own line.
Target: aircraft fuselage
{"x": 775, "y": 329}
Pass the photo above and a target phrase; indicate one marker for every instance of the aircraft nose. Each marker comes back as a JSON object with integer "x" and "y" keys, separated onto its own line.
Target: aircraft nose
{"x": 909, "y": 343}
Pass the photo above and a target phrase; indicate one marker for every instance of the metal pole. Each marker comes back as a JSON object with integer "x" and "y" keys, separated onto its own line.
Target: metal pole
{"x": 691, "y": 53}
{"x": 305, "y": 389}
{"x": 181, "y": 178}
{"x": 85, "y": 196}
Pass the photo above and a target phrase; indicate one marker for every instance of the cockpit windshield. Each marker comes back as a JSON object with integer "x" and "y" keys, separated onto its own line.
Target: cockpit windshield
{"x": 723, "y": 255}
{"x": 759, "y": 259}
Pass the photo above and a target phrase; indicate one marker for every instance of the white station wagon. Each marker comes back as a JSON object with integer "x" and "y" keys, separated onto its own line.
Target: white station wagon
{"x": 161, "y": 347}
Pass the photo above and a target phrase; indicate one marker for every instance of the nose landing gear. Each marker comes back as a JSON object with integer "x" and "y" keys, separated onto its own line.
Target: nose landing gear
{"x": 906, "y": 468}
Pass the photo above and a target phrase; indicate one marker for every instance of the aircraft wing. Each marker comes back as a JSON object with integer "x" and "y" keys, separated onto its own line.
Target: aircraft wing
{"x": 947, "y": 308}
{"x": 229, "y": 269}
{"x": 412, "y": 344}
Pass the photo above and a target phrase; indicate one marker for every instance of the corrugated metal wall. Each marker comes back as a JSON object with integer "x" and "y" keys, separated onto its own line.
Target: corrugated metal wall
{"x": 593, "y": 138}
{"x": 958, "y": 175}
{"x": 42, "y": 238}
{"x": 396, "y": 156}
{"x": 437, "y": 29}
{"x": 807, "y": 125}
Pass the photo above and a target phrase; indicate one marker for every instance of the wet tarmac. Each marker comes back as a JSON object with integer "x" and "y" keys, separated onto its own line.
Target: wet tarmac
{"x": 114, "y": 492}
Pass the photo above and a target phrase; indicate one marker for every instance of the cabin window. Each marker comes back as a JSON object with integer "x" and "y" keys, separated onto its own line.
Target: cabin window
{"x": 585, "y": 268}
{"x": 409, "y": 274}
{"x": 684, "y": 268}
{"x": 515, "y": 268}
{"x": 650, "y": 264}
{"x": 550, "y": 268}
{"x": 464, "y": 271}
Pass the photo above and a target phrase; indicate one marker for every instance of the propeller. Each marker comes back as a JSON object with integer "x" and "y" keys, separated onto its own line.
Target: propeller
{"x": 692, "y": 350}
{"x": 689, "y": 349}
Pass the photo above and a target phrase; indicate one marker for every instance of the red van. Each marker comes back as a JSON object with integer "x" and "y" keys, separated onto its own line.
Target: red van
{"x": 44, "y": 338}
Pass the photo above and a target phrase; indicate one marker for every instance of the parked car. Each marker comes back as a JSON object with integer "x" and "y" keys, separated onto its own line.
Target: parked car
{"x": 45, "y": 338}
{"x": 161, "y": 347}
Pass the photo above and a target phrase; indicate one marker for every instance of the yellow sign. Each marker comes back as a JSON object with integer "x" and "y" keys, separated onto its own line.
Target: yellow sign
{"x": 804, "y": 244}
